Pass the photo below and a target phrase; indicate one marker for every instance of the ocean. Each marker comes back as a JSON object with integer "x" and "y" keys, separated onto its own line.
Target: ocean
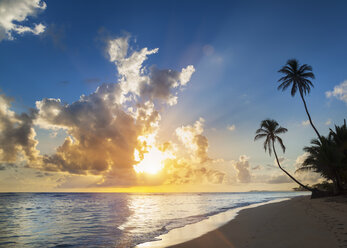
{"x": 110, "y": 219}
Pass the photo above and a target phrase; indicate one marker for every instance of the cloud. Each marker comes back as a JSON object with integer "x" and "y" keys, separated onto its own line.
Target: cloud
{"x": 305, "y": 123}
{"x": 306, "y": 176}
{"x": 276, "y": 179}
{"x": 231, "y": 127}
{"x": 182, "y": 171}
{"x": 158, "y": 84}
{"x": 243, "y": 169}
{"x": 339, "y": 92}
{"x": 106, "y": 127}
{"x": 328, "y": 122}
{"x": 17, "y": 135}
{"x": 192, "y": 139}
{"x": 17, "y": 11}
{"x": 163, "y": 81}
{"x": 114, "y": 128}
{"x": 198, "y": 167}
{"x": 258, "y": 167}
{"x": 102, "y": 135}
{"x": 300, "y": 159}
{"x": 41, "y": 174}
{"x": 281, "y": 160}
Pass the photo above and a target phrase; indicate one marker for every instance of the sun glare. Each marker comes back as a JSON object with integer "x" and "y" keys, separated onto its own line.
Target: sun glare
{"x": 152, "y": 162}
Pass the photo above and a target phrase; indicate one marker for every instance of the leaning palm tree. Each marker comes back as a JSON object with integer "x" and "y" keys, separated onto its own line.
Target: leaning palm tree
{"x": 269, "y": 129}
{"x": 298, "y": 77}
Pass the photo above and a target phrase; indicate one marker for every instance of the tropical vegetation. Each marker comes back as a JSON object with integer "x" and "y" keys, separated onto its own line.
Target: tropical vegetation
{"x": 327, "y": 155}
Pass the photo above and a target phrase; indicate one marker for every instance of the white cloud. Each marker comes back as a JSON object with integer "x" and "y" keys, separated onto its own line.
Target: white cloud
{"x": 300, "y": 159}
{"x": 231, "y": 127}
{"x": 13, "y": 12}
{"x": 186, "y": 74}
{"x": 104, "y": 127}
{"x": 339, "y": 92}
{"x": 141, "y": 83}
{"x": 305, "y": 123}
{"x": 328, "y": 122}
{"x": 307, "y": 176}
{"x": 243, "y": 169}
{"x": 192, "y": 139}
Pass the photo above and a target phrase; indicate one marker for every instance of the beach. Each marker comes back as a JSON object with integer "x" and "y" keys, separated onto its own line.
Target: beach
{"x": 298, "y": 222}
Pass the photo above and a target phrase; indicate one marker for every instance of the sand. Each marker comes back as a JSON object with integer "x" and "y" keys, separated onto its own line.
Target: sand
{"x": 299, "y": 222}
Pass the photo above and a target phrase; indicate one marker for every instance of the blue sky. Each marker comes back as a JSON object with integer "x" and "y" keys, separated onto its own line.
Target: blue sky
{"x": 236, "y": 48}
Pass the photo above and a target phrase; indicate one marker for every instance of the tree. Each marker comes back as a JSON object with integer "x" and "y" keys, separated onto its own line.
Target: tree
{"x": 339, "y": 137}
{"x": 298, "y": 77}
{"x": 324, "y": 158}
{"x": 269, "y": 129}
{"x": 328, "y": 156}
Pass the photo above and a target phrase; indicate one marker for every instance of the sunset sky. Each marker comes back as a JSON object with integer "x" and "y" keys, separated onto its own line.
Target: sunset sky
{"x": 142, "y": 96}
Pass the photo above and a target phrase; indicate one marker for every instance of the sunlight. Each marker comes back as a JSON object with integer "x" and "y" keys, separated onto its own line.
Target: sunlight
{"x": 153, "y": 159}
{"x": 152, "y": 162}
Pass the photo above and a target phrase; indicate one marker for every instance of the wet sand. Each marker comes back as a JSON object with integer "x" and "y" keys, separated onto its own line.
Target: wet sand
{"x": 299, "y": 222}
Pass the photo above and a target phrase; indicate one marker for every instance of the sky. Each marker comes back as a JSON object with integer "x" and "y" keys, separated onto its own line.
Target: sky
{"x": 162, "y": 96}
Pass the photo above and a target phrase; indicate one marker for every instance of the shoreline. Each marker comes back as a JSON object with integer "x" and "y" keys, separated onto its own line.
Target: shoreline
{"x": 297, "y": 222}
{"x": 193, "y": 231}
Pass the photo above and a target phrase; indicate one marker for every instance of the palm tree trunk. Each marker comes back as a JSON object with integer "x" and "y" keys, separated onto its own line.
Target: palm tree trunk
{"x": 279, "y": 165}
{"x": 309, "y": 117}
{"x": 337, "y": 184}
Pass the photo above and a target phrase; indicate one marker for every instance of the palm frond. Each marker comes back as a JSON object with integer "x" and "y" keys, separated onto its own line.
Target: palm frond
{"x": 296, "y": 76}
{"x": 261, "y": 130}
{"x": 281, "y": 143}
{"x": 280, "y": 130}
{"x": 259, "y": 136}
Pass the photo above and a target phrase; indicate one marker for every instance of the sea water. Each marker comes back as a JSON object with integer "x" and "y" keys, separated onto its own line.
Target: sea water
{"x": 109, "y": 219}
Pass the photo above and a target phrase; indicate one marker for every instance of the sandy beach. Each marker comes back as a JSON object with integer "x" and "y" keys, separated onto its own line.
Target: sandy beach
{"x": 299, "y": 222}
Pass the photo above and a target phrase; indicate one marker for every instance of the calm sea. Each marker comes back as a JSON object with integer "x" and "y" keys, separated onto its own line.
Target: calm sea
{"x": 109, "y": 219}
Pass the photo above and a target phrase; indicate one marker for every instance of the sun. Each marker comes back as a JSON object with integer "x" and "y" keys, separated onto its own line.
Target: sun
{"x": 152, "y": 162}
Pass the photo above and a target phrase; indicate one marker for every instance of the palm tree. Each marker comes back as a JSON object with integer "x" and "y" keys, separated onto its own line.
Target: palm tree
{"x": 339, "y": 138}
{"x": 298, "y": 77}
{"x": 324, "y": 158}
{"x": 270, "y": 130}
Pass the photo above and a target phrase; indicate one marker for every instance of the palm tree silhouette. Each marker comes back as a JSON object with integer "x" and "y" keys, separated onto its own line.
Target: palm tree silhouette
{"x": 270, "y": 130}
{"x": 325, "y": 159}
{"x": 299, "y": 78}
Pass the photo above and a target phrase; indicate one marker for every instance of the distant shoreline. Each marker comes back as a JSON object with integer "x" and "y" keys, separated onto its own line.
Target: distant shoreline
{"x": 298, "y": 222}
{"x": 154, "y": 192}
